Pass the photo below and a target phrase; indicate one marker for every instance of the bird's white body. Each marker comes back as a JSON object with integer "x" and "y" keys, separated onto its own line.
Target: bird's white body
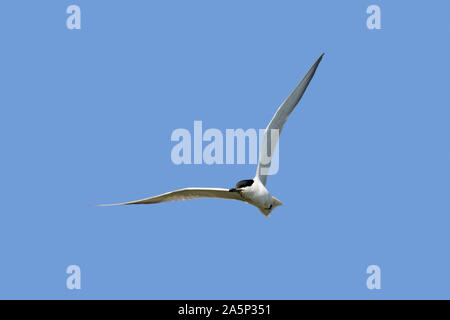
{"x": 252, "y": 191}
{"x": 258, "y": 195}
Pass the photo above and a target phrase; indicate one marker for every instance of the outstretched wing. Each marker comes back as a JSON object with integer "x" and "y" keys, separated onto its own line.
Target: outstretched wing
{"x": 186, "y": 194}
{"x": 273, "y": 130}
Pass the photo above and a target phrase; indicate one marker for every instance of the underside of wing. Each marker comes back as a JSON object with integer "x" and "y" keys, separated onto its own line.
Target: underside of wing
{"x": 186, "y": 194}
{"x": 273, "y": 130}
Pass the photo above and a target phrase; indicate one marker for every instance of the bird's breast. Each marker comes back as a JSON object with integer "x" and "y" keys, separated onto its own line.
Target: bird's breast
{"x": 257, "y": 196}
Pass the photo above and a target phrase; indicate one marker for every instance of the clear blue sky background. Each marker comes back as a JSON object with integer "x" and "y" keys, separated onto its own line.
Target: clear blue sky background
{"x": 86, "y": 118}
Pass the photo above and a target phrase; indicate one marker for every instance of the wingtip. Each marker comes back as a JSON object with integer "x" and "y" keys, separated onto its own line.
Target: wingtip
{"x": 107, "y": 205}
{"x": 320, "y": 58}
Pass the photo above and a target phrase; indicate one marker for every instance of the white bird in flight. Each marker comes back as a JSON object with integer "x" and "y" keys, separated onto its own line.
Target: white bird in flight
{"x": 252, "y": 191}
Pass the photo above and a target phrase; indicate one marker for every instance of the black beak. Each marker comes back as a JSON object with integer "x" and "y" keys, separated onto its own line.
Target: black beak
{"x": 232, "y": 190}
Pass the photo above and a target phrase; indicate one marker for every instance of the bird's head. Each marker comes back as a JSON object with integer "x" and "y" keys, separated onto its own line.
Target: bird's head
{"x": 267, "y": 211}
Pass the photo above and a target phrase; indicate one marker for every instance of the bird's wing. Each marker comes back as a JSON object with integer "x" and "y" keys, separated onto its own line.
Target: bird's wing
{"x": 186, "y": 194}
{"x": 273, "y": 130}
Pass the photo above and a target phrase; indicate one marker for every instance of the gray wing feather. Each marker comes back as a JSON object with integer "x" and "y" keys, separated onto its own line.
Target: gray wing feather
{"x": 277, "y": 123}
{"x": 185, "y": 194}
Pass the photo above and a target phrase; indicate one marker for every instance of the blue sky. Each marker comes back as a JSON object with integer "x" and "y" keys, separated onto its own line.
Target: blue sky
{"x": 86, "y": 118}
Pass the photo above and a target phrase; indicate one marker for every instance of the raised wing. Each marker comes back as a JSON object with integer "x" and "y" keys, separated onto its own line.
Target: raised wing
{"x": 185, "y": 194}
{"x": 273, "y": 130}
